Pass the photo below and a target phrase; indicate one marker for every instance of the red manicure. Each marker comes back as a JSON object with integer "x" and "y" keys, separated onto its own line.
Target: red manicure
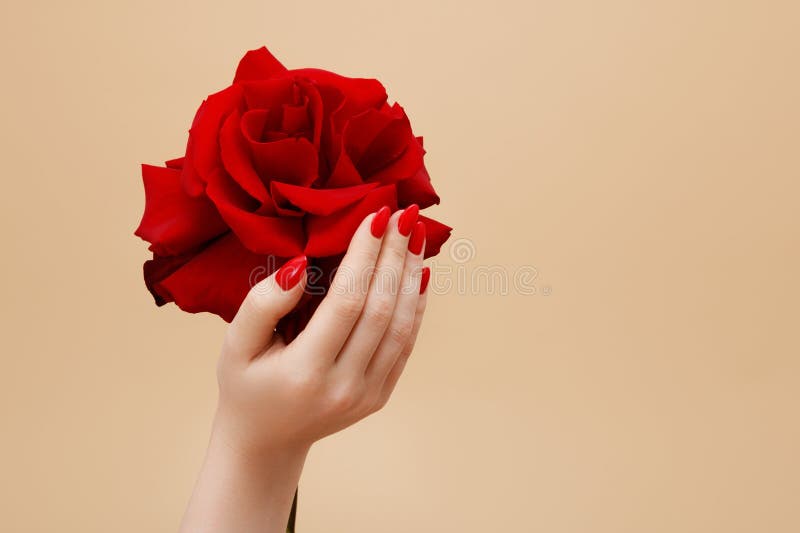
{"x": 379, "y": 221}
{"x": 417, "y": 238}
{"x": 290, "y": 273}
{"x": 407, "y": 220}
{"x": 426, "y": 277}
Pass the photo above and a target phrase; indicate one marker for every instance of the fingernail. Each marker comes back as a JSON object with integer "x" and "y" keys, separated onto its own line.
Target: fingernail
{"x": 290, "y": 273}
{"x": 417, "y": 238}
{"x": 426, "y": 277}
{"x": 407, "y": 220}
{"x": 379, "y": 221}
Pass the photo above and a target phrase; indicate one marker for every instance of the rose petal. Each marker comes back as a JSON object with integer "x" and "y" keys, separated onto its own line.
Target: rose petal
{"x": 295, "y": 119}
{"x": 176, "y": 163}
{"x": 344, "y": 173}
{"x": 269, "y": 94}
{"x": 191, "y": 181}
{"x": 292, "y": 160}
{"x": 258, "y": 64}
{"x": 362, "y": 93}
{"x": 173, "y": 221}
{"x": 204, "y": 135}
{"x": 330, "y": 235}
{"x": 160, "y": 267}
{"x": 362, "y": 130}
{"x": 417, "y": 189}
{"x": 403, "y": 167}
{"x": 436, "y": 234}
{"x": 318, "y": 201}
{"x": 236, "y": 158}
{"x": 259, "y": 233}
{"x": 217, "y": 279}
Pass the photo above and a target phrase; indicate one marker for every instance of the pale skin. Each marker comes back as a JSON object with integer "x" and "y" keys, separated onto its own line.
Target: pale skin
{"x": 277, "y": 399}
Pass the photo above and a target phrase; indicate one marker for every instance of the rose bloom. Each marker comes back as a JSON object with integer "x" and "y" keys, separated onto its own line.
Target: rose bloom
{"x": 281, "y": 163}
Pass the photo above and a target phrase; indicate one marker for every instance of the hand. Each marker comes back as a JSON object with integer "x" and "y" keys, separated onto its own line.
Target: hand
{"x": 277, "y": 399}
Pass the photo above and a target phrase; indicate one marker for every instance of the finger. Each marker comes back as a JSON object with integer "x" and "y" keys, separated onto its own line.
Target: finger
{"x": 333, "y": 320}
{"x": 382, "y": 296}
{"x": 398, "y": 333}
{"x": 253, "y": 328}
{"x": 397, "y": 370}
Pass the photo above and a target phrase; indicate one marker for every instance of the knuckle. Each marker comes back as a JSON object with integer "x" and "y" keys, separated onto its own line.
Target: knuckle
{"x": 345, "y": 397}
{"x": 397, "y": 254}
{"x": 379, "y": 310}
{"x": 348, "y": 305}
{"x": 400, "y": 331}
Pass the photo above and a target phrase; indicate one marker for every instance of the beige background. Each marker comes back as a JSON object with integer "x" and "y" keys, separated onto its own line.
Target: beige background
{"x": 642, "y": 156}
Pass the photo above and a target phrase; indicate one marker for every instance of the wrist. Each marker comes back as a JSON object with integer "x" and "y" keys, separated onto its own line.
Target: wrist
{"x": 275, "y": 453}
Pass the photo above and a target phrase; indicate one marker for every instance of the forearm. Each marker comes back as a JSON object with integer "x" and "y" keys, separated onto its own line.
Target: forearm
{"x": 237, "y": 493}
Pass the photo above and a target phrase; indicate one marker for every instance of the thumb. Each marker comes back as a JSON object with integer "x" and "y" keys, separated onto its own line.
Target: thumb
{"x": 253, "y": 328}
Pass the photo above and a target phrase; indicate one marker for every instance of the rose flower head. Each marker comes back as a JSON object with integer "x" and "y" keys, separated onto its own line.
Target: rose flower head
{"x": 280, "y": 163}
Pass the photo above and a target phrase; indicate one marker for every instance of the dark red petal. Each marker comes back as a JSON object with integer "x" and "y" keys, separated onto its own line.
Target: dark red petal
{"x": 318, "y": 201}
{"x": 417, "y": 190}
{"x": 217, "y": 279}
{"x": 259, "y": 233}
{"x": 173, "y": 221}
{"x": 362, "y": 130}
{"x": 330, "y": 235}
{"x": 436, "y": 234}
{"x": 258, "y": 64}
{"x": 403, "y": 167}
{"x": 382, "y": 145}
{"x": 235, "y": 154}
{"x": 160, "y": 267}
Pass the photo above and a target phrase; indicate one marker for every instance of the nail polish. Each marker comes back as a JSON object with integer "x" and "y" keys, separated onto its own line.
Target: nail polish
{"x": 426, "y": 277}
{"x": 290, "y": 273}
{"x": 407, "y": 220}
{"x": 379, "y": 222}
{"x": 417, "y": 238}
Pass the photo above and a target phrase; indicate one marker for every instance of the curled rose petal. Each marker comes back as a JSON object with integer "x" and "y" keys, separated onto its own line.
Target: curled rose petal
{"x": 318, "y": 201}
{"x": 436, "y": 234}
{"x": 174, "y": 222}
{"x": 330, "y": 235}
{"x": 292, "y": 160}
{"x": 417, "y": 189}
{"x": 259, "y": 233}
{"x": 236, "y": 158}
{"x": 258, "y": 64}
{"x": 204, "y": 135}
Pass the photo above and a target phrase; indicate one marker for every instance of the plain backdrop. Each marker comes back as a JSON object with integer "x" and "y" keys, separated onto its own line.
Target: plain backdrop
{"x": 637, "y": 160}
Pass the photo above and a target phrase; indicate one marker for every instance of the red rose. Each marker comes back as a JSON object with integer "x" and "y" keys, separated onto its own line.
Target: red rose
{"x": 281, "y": 163}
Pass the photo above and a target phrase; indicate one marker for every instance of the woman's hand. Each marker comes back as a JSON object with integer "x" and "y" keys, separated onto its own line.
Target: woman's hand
{"x": 277, "y": 399}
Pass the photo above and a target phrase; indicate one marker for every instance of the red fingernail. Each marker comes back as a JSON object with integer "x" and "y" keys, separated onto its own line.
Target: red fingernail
{"x": 426, "y": 277}
{"x": 407, "y": 220}
{"x": 417, "y": 238}
{"x": 290, "y": 273}
{"x": 379, "y": 221}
